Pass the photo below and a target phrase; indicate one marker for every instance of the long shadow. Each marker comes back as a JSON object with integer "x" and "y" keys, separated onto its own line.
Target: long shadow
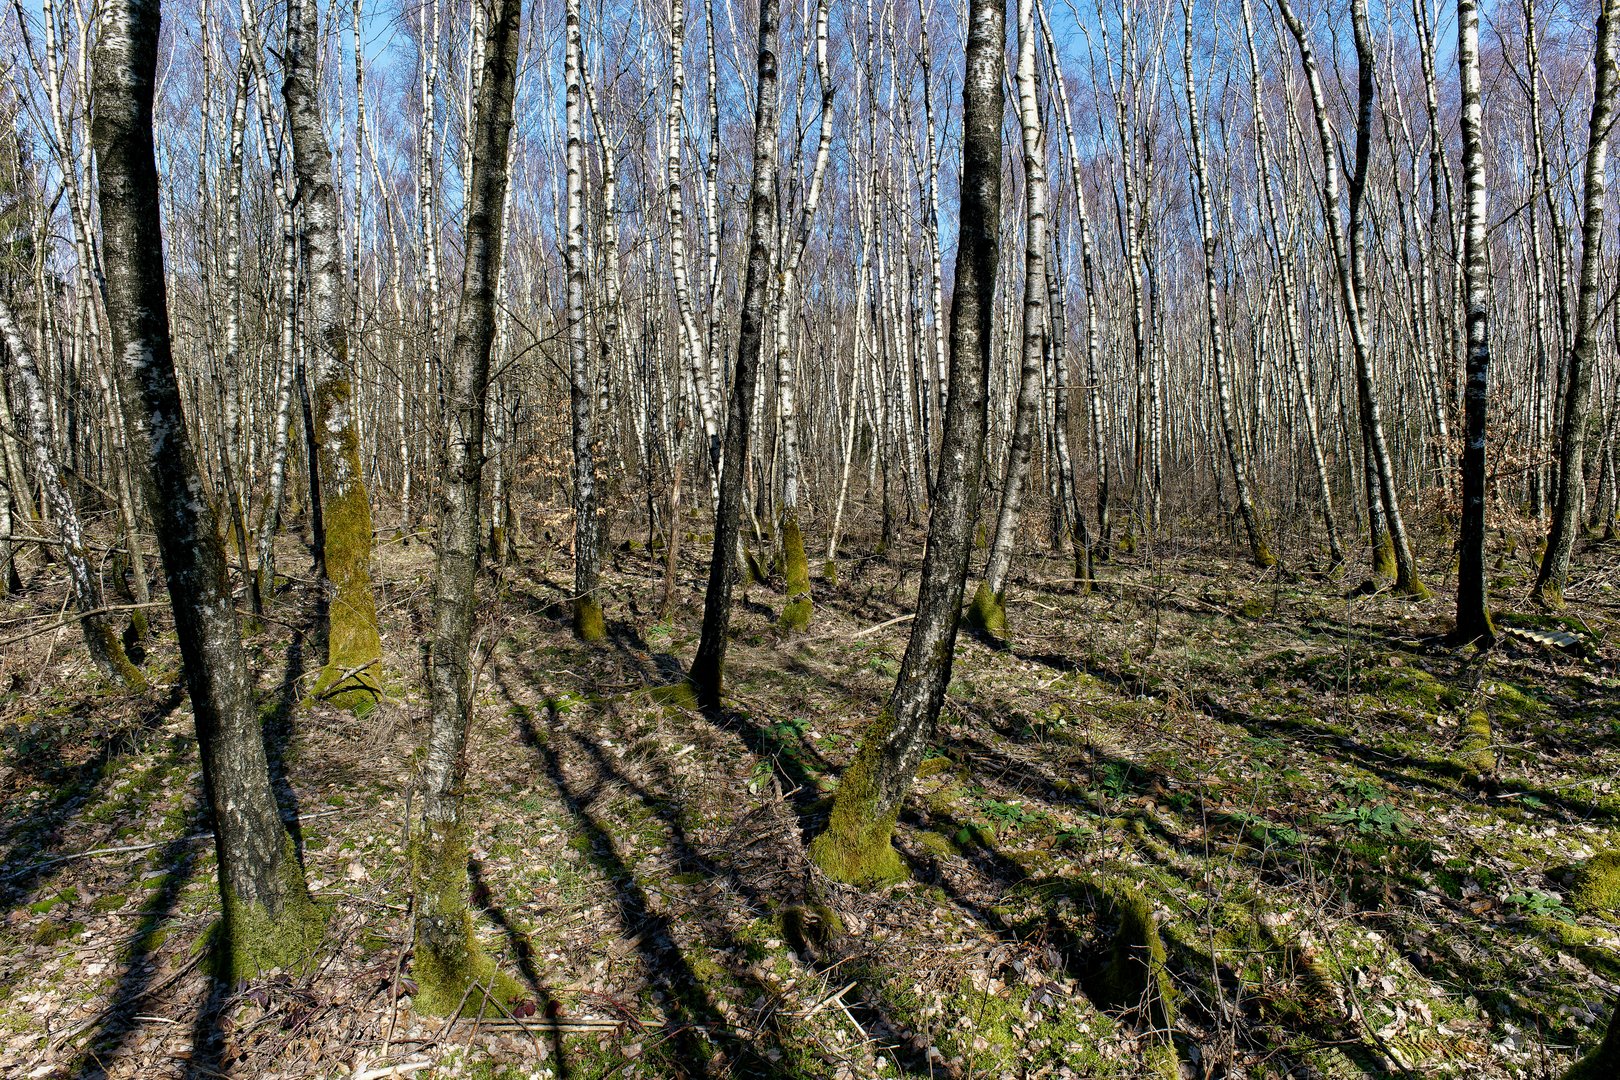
{"x": 277, "y": 732}
{"x": 521, "y": 948}
{"x": 207, "y": 1059}
{"x": 114, "y": 1028}
{"x": 660, "y": 957}
{"x": 1461, "y": 954}
{"x": 691, "y": 1013}
{"x": 36, "y": 836}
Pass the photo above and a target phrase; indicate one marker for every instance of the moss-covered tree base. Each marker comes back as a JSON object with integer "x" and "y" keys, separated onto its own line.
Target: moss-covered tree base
{"x": 862, "y": 860}
{"x": 1383, "y": 561}
{"x": 796, "y": 569}
{"x": 588, "y": 622}
{"x": 453, "y": 973}
{"x": 1414, "y": 587}
{"x": 1604, "y": 1062}
{"x": 987, "y": 612}
{"x": 829, "y": 572}
{"x": 1263, "y": 558}
{"x": 857, "y": 847}
{"x": 249, "y": 942}
{"x": 356, "y": 692}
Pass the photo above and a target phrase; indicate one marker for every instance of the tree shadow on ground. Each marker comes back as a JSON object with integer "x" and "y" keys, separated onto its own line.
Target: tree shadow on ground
{"x": 35, "y": 836}
{"x": 113, "y": 1027}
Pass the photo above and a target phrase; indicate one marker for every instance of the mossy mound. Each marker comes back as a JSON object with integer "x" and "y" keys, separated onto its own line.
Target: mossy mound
{"x": 1597, "y": 884}
{"x": 1475, "y": 750}
{"x": 1133, "y": 975}
{"x": 681, "y": 696}
{"x": 936, "y": 844}
{"x": 987, "y": 612}
{"x": 933, "y": 766}
{"x": 829, "y": 572}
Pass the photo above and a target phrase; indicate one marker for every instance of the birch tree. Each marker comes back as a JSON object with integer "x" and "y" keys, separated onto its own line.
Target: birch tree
{"x": 449, "y": 964}
{"x": 269, "y": 921}
{"x": 856, "y": 846}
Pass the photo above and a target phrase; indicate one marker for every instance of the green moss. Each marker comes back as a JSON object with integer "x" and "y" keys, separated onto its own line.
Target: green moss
{"x": 1475, "y": 750}
{"x": 588, "y": 624}
{"x": 857, "y": 847}
{"x": 102, "y": 905}
{"x": 351, "y": 678}
{"x": 987, "y": 612}
{"x": 976, "y": 835}
{"x": 795, "y": 567}
{"x": 1413, "y": 586}
{"x": 113, "y": 649}
{"x": 679, "y": 696}
{"x": 1263, "y": 558}
{"x": 68, "y": 895}
{"x": 1383, "y": 562}
{"x": 52, "y": 932}
{"x": 1604, "y": 1062}
{"x": 452, "y": 972}
{"x": 936, "y": 844}
{"x": 1597, "y": 884}
{"x": 1134, "y": 975}
{"x": 1253, "y": 608}
{"x": 829, "y": 573}
{"x": 757, "y": 573}
{"x": 250, "y": 941}
{"x": 933, "y": 766}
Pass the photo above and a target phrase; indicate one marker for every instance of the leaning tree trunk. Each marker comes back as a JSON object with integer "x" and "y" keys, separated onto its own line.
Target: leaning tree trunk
{"x": 1571, "y": 494}
{"x": 1473, "y": 615}
{"x": 449, "y": 964}
{"x": 353, "y": 646}
{"x": 269, "y": 920}
{"x": 856, "y": 846}
{"x": 106, "y": 651}
{"x": 988, "y": 611}
{"x": 587, "y": 607}
{"x": 708, "y": 667}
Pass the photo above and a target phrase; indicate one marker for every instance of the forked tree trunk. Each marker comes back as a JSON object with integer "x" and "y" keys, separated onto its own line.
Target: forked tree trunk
{"x": 350, "y": 678}
{"x": 450, "y": 968}
{"x": 1473, "y": 614}
{"x": 857, "y": 844}
{"x": 269, "y": 919}
{"x": 1571, "y": 490}
{"x": 709, "y": 666}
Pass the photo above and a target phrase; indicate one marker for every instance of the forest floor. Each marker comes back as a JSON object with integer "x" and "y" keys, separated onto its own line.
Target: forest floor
{"x": 1349, "y": 880}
